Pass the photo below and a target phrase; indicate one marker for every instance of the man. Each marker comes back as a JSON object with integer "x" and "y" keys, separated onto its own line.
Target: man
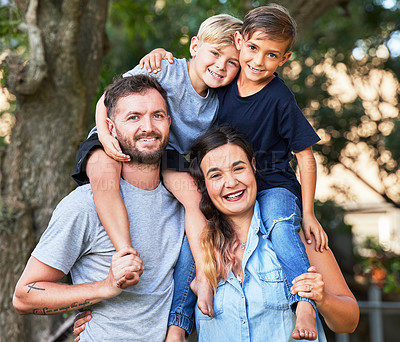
{"x": 76, "y": 242}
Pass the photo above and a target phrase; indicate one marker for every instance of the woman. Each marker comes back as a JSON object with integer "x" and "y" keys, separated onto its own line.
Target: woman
{"x": 250, "y": 302}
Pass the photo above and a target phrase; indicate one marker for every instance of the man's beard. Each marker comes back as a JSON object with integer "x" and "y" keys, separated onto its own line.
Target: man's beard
{"x": 149, "y": 157}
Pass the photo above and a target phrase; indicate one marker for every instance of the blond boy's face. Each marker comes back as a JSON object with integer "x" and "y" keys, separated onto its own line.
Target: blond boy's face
{"x": 259, "y": 56}
{"x": 212, "y": 64}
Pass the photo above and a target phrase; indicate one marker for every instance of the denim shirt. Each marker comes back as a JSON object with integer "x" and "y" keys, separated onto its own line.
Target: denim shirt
{"x": 257, "y": 311}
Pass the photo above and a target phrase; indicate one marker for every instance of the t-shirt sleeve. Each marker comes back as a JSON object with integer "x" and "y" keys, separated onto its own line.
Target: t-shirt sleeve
{"x": 67, "y": 236}
{"x": 295, "y": 128}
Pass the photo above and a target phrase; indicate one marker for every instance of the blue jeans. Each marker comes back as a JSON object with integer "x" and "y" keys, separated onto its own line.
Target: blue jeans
{"x": 281, "y": 215}
{"x": 184, "y": 300}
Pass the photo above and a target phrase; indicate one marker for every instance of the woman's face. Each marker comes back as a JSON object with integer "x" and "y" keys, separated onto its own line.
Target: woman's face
{"x": 230, "y": 180}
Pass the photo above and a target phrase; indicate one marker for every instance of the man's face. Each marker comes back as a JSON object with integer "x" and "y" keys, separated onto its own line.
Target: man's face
{"x": 141, "y": 125}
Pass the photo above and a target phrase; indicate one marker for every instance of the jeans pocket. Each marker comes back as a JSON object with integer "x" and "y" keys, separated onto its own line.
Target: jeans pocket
{"x": 273, "y": 289}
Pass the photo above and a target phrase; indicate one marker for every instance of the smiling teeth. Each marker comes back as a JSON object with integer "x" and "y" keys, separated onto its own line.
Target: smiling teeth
{"x": 235, "y": 195}
{"x": 253, "y": 68}
{"x": 147, "y": 139}
{"x": 214, "y": 74}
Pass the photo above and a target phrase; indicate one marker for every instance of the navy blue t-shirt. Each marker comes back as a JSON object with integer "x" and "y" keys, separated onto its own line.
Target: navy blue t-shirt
{"x": 274, "y": 125}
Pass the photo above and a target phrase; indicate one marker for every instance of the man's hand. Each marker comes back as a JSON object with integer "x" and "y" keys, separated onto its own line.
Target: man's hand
{"x": 126, "y": 263}
{"x": 310, "y": 226}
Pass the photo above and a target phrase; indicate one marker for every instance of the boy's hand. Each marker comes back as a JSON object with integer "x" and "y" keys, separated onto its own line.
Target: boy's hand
{"x": 152, "y": 61}
{"x": 112, "y": 149}
{"x": 310, "y": 226}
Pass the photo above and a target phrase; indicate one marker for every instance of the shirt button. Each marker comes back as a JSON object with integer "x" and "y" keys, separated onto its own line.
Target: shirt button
{"x": 276, "y": 277}
{"x": 243, "y": 321}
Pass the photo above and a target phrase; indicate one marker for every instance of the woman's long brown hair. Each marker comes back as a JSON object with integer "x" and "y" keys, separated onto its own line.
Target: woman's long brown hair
{"x": 218, "y": 240}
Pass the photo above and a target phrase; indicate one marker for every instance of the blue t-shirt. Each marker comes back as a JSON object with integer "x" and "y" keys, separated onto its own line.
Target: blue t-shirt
{"x": 274, "y": 125}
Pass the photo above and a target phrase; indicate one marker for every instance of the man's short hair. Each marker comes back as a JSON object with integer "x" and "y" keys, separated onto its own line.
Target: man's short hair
{"x": 219, "y": 29}
{"x": 273, "y": 20}
{"x": 125, "y": 86}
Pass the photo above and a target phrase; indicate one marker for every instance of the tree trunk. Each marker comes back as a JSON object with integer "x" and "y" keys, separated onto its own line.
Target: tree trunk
{"x": 55, "y": 93}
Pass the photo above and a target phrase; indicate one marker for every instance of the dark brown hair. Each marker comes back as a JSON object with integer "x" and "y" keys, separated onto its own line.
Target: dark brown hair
{"x": 124, "y": 86}
{"x": 272, "y": 20}
{"x": 218, "y": 240}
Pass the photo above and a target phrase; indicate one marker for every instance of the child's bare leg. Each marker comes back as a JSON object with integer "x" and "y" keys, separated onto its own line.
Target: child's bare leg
{"x": 305, "y": 323}
{"x": 104, "y": 174}
{"x": 183, "y": 187}
{"x": 175, "y": 334}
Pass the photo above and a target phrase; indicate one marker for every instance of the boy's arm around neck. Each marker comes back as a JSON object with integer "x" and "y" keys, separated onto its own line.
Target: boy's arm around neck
{"x": 110, "y": 144}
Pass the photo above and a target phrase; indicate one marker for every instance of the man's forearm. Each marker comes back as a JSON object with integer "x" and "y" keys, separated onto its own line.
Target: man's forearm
{"x": 46, "y": 298}
{"x": 40, "y": 292}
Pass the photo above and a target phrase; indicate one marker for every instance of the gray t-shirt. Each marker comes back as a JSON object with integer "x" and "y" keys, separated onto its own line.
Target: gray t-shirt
{"x": 76, "y": 242}
{"x": 191, "y": 114}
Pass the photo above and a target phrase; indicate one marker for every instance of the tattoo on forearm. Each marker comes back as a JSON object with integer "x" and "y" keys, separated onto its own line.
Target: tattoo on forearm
{"x": 73, "y": 306}
{"x": 32, "y": 286}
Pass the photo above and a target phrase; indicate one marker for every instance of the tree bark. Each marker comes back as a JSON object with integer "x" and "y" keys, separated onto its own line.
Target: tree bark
{"x": 55, "y": 92}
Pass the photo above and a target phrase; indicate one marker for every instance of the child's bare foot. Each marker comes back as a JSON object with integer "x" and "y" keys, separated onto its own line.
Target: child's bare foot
{"x": 305, "y": 322}
{"x": 175, "y": 334}
{"x": 205, "y": 296}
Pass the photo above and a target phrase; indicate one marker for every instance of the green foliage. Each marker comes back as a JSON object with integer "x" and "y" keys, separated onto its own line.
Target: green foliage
{"x": 380, "y": 266}
{"x": 10, "y": 37}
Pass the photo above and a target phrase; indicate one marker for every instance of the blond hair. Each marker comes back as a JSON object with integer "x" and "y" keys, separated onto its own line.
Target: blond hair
{"x": 219, "y": 29}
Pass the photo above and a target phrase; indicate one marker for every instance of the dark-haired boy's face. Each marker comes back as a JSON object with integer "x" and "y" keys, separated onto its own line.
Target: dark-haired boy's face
{"x": 260, "y": 56}
{"x": 141, "y": 125}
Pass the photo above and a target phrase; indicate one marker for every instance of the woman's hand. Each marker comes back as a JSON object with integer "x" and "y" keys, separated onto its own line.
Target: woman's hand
{"x": 152, "y": 61}
{"x": 310, "y": 285}
{"x": 79, "y": 323}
